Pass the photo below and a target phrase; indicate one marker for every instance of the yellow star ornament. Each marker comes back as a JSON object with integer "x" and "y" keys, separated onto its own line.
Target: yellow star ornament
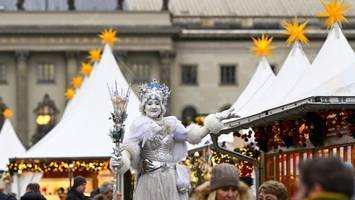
{"x": 334, "y": 12}
{"x": 94, "y": 55}
{"x": 70, "y": 93}
{"x": 296, "y": 31}
{"x": 108, "y": 37}
{"x": 86, "y": 69}
{"x": 7, "y": 113}
{"x": 262, "y": 45}
{"x": 77, "y": 81}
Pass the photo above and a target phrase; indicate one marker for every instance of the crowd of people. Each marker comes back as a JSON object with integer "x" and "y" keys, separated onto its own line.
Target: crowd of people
{"x": 323, "y": 178}
{"x": 156, "y": 145}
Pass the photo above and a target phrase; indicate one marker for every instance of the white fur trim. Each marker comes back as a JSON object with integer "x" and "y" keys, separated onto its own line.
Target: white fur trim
{"x": 194, "y": 134}
{"x": 134, "y": 152}
{"x": 213, "y": 124}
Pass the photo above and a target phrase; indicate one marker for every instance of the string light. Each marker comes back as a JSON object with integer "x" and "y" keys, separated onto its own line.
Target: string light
{"x": 21, "y": 166}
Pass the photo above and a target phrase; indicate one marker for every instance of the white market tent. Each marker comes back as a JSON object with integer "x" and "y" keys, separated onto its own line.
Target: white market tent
{"x": 10, "y": 144}
{"x": 333, "y": 58}
{"x": 262, "y": 75}
{"x": 85, "y": 132}
{"x": 285, "y": 82}
{"x": 260, "y": 81}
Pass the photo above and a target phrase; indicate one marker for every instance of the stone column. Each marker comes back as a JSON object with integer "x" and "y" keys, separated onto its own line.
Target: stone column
{"x": 72, "y": 67}
{"x": 166, "y": 61}
{"x": 22, "y": 96}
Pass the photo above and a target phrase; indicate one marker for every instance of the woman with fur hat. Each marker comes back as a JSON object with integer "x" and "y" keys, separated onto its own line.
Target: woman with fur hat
{"x": 156, "y": 144}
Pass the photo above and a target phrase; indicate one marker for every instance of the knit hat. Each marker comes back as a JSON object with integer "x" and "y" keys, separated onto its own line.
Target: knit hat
{"x": 224, "y": 175}
{"x": 78, "y": 180}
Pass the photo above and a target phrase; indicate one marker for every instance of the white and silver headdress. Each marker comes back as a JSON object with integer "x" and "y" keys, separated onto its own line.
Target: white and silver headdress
{"x": 154, "y": 89}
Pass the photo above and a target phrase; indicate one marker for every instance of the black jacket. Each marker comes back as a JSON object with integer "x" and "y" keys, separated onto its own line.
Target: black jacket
{"x": 32, "y": 196}
{"x": 4, "y": 196}
{"x": 74, "y": 195}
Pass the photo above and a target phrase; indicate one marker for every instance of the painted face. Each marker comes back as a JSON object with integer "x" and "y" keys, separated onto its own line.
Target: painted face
{"x": 227, "y": 193}
{"x": 153, "y": 108}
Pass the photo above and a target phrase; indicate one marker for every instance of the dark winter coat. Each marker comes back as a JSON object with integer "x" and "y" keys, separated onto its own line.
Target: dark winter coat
{"x": 4, "y": 196}
{"x": 32, "y": 196}
{"x": 75, "y": 195}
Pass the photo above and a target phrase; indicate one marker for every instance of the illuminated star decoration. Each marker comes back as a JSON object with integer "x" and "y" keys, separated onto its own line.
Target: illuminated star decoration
{"x": 94, "y": 55}
{"x": 334, "y": 11}
{"x": 77, "y": 81}
{"x": 86, "y": 69}
{"x": 70, "y": 93}
{"x": 7, "y": 113}
{"x": 262, "y": 45}
{"x": 108, "y": 37}
{"x": 295, "y": 31}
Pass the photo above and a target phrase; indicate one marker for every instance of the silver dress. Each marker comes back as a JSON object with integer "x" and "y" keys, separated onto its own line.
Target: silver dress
{"x": 157, "y": 180}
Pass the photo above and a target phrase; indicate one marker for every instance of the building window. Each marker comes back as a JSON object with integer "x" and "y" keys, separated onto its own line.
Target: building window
{"x": 3, "y": 73}
{"x": 141, "y": 73}
{"x": 225, "y": 107}
{"x": 45, "y": 73}
{"x": 188, "y": 114}
{"x": 228, "y": 74}
{"x": 2, "y": 109}
{"x": 189, "y": 74}
{"x": 46, "y": 117}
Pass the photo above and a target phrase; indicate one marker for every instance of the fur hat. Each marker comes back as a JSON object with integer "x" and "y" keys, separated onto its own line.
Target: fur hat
{"x": 78, "y": 180}
{"x": 224, "y": 175}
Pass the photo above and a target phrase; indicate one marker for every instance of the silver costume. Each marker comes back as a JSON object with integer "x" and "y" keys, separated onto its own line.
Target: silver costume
{"x": 161, "y": 145}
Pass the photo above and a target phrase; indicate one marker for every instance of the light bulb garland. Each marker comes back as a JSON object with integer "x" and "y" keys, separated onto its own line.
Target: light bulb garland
{"x": 21, "y": 166}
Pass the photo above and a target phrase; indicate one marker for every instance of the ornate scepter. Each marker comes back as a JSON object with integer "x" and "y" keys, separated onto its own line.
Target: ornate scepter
{"x": 119, "y": 99}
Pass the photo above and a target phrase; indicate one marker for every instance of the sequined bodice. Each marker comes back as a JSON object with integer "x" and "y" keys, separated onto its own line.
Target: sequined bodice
{"x": 159, "y": 147}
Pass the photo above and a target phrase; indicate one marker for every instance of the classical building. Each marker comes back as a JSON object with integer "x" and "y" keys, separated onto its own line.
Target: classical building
{"x": 200, "y": 48}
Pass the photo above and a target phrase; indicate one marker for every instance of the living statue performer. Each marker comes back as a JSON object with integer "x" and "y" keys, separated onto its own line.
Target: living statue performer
{"x": 155, "y": 145}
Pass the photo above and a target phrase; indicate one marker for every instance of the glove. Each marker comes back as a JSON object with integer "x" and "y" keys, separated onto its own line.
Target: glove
{"x": 213, "y": 122}
{"x": 226, "y": 114}
{"x": 120, "y": 164}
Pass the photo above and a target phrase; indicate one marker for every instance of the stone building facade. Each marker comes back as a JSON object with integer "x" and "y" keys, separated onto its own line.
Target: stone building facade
{"x": 200, "y": 51}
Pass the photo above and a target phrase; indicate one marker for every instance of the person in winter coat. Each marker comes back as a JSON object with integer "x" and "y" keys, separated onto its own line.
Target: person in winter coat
{"x": 76, "y": 192}
{"x": 33, "y": 192}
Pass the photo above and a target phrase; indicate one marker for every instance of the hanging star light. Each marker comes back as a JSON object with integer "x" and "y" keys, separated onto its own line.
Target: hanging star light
{"x": 334, "y": 12}
{"x": 7, "y": 113}
{"x": 262, "y": 45}
{"x": 295, "y": 31}
{"x": 108, "y": 37}
{"x": 77, "y": 81}
{"x": 94, "y": 55}
{"x": 86, "y": 69}
{"x": 70, "y": 93}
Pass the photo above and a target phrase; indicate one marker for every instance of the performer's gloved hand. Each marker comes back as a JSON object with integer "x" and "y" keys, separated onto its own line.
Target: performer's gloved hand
{"x": 120, "y": 164}
{"x": 213, "y": 122}
{"x": 226, "y": 114}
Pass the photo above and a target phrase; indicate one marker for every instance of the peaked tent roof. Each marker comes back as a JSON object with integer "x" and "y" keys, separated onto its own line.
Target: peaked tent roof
{"x": 10, "y": 144}
{"x": 288, "y": 77}
{"x": 260, "y": 81}
{"x": 334, "y": 57}
{"x": 341, "y": 84}
{"x": 85, "y": 132}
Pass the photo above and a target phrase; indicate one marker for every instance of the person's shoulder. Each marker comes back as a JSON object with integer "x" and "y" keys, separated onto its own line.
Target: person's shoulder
{"x": 141, "y": 120}
{"x": 4, "y": 196}
{"x": 171, "y": 119}
{"x": 10, "y": 197}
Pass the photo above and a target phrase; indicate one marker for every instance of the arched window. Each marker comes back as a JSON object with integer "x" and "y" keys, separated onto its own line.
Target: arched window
{"x": 2, "y": 109}
{"x": 188, "y": 114}
{"x": 46, "y": 117}
{"x": 225, "y": 107}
